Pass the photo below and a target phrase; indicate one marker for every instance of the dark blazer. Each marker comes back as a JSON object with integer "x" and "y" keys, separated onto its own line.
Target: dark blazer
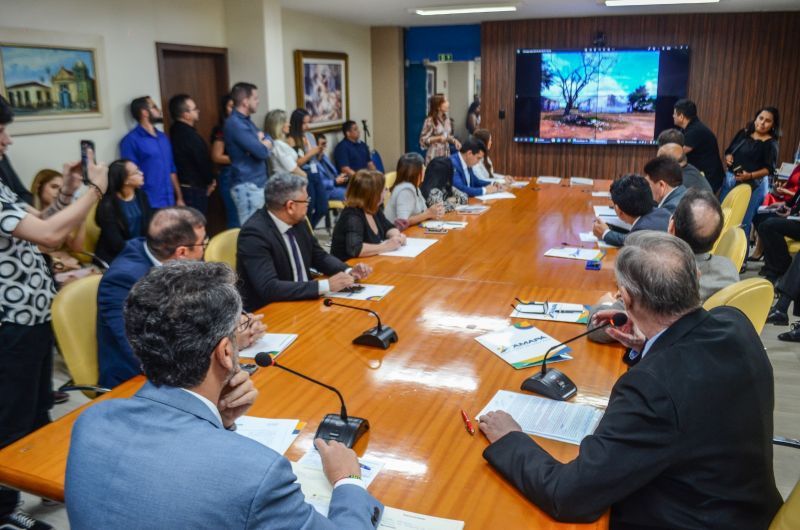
{"x": 686, "y": 440}
{"x": 114, "y": 229}
{"x": 670, "y": 202}
{"x": 657, "y": 219}
{"x": 114, "y": 354}
{"x": 265, "y": 272}
{"x": 475, "y": 186}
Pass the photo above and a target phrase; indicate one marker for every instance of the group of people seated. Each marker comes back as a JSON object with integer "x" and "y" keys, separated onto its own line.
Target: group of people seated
{"x": 165, "y": 313}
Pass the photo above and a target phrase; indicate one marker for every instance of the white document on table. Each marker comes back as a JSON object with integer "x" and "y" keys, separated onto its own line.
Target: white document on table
{"x": 318, "y": 491}
{"x": 273, "y": 343}
{"x": 520, "y": 184}
{"x": 588, "y": 237}
{"x": 580, "y": 181}
{"x": 370, "y": 467}
{"x": 548, "y": 180}
{"x": 552, "y": 311}
{"x": 498, "y": 195}
{"x": 557, "y": 420}
{"x": 582, "y": 254}
{"x": 604, "y": 211}
{"x": 278, "y": 435}
{"x": 601, "y": 194}
{"x": 369, "y": 292}
{"x": 471, "y": 209}
{"x": 414, "y": 247}
{"x": 444, "y": 225}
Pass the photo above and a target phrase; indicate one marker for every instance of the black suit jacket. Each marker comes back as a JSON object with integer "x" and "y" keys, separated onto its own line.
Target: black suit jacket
{"x": 686, "y": 440}
{"x": 262, "y": 262}
{"x": 657, "y": 219}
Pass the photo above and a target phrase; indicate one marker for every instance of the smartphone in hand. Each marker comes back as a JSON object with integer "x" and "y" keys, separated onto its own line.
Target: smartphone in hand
{"x": 85, "y": 146}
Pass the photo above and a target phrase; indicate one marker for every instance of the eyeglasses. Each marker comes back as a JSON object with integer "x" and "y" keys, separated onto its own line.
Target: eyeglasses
{"x": 244, "y": 323}
{"x": 204, "y": 244}
{"x": 298, "y": 201}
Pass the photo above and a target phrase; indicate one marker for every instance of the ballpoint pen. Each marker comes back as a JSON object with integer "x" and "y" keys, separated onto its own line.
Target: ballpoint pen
{"x": 467, "y": 423}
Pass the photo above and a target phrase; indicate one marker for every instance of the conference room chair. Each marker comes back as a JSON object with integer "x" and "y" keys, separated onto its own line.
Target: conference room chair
{"x": 222, "y": 248}
{"x": 794, "y": 246}
{"x": 74, "y": 314}
{"x": 788, "y": 517}
{"x": 726, "y": 225}
{"x": 752, "y": 296}
{"x": 733, "y": 245}
{"x": 92, "y": 235}
{"x": 737, "y": 200}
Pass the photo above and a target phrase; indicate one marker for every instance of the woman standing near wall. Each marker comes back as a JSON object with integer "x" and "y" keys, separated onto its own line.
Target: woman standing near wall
{"x": 221, "y": 158}
{"x": 437, "y": 132}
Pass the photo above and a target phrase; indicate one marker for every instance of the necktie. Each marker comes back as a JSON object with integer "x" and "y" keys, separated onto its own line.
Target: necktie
{"x": 300, "y": 275}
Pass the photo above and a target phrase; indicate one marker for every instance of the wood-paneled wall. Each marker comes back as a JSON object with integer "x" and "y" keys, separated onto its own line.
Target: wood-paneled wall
{"x": 738, "y": 63}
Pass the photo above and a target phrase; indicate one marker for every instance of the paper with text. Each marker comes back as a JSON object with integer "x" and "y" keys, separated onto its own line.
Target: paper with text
{"x": 552, "y": 311}
{"x": 414, "y": 247}
{"x": 370, "y": 467}
{"x": 588, "y": 237}
{"x": 273, "y": 343}
{"x": 520, "y": 345}
{"x": 278, "y": 435}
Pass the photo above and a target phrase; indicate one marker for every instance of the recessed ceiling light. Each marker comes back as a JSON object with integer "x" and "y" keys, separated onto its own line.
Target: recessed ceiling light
{"x": 622, "y": 3}
{"x": 464, "y": 9}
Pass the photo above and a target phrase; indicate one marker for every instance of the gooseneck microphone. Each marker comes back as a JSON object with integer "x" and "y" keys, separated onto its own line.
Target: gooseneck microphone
{"x": 340, "y": 427}
{"x": 378, "y": 337}
{"x": 553, "y": 383}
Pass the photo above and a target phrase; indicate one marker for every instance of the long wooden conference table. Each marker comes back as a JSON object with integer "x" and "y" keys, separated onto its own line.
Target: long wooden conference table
{"x": 413, "y": 392}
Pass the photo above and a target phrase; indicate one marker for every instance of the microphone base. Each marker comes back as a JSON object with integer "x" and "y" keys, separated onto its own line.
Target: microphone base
{"x": 333, "y": 427}
{"x": 377, "y": 337}
{"x": 553, "y": 384}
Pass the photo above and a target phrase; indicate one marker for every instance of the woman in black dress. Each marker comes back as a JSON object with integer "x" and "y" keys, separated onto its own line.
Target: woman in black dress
{"x": 362, "y": 229}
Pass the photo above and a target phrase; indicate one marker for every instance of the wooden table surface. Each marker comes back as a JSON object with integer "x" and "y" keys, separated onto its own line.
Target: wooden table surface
{"x": 412, "y": 393}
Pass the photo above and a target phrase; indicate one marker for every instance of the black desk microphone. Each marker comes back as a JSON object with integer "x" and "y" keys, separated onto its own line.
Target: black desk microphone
{"x": 553, "y": 383}
{"x": 340, "y": 427}
{"x": 378, "y": 337}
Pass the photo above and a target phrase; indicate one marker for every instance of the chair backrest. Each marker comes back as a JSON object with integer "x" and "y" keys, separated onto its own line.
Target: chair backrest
{"x": 733, "y": 245}
{"x": 74, "y": 314}
{"x": 91, "y": 236}
{"x": 726, "y": 225}
{"x": 788, "y": 517}
{"x": 390, "y": 178}
{"x": 737, "y": 200}
{"x": 752, "y": 296}
{"x": 222, "y": 248}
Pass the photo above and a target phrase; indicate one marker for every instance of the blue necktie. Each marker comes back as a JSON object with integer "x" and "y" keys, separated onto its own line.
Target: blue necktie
{"x": 298, "y": 262}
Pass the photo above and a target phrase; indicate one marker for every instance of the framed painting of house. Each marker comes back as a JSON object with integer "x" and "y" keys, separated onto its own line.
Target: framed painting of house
{"x": 55, "y": 82}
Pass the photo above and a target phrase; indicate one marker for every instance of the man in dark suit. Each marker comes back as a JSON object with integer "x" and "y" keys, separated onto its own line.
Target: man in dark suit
{"x": 665, "y": 178}
{"x": 276, "y": 250}
{"x": 471, "y": 154}
{"x": 177, "y": 233}
{"x": 686, "y": 439}
{"x": 633, "y": 203}
{"x": 692, "y": 178}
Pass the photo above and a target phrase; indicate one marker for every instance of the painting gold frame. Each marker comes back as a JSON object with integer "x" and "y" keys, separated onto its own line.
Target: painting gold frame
{"x": 328, "y": 109}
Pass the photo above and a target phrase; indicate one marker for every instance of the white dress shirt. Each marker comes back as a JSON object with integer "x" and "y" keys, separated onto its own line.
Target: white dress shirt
{"x": 298, "y": 270}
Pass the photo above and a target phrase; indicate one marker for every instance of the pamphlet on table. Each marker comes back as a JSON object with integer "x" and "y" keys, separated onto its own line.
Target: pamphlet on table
{"x": 551, "y": 311}
{"x": 522, "y": 345}
{"x": 272, "y": 343}
{"x": 582, "y": 254}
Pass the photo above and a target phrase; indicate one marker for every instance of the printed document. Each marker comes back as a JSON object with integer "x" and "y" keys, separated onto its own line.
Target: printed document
{"x": 272, "y": 343}
{"x": 414, "y": 247}
{"x": 278, "y": 435}
{"x": 582, "y": 254}
{"x": 552, "y": 311}
{"x": 521, "y": 345}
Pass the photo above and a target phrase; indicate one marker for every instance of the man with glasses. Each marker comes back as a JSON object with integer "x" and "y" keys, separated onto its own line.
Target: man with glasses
{"x": 176, "y": 233}
{"x": 192, "y": 158}
{"x": 149, "y": 148}
{"x": 166, "y": 458}
{"x": 276, "y": 251}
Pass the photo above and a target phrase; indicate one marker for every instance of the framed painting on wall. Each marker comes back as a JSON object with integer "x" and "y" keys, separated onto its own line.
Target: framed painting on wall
{"x": 322, "y": 87}
{"x": 55, "y": 82}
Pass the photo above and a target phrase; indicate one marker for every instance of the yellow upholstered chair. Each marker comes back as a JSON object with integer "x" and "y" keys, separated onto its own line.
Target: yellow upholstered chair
{"x": 90, "y": 238}
{"x": 222, "y": 248}
{"x": 74, "y": 314}
{"x": 737, "y": 200}
{"x": 788, "y": 517}
{"x": 794, "y": 246}
{"x": 726, "y": 225}
{"x": 753, "y": 297}
{"x": 390, "y": 178}
{"x": 733, "y": 245}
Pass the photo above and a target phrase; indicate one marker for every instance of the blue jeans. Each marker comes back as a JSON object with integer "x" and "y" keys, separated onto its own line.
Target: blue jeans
{"x": 756, "y": 198}
{"x": 248, "y": 198}
{"x": 224, "y": 182}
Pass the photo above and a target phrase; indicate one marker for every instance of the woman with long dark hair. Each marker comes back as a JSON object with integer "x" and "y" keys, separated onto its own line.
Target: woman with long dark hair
{"x": 437, "y": 131}
{"x": 124, "y": 211}
{"x": 406, "y": 202}
{"x": 750, "y": 159}
{"x": 223, "y": 161}
{"x": 299, "y": 124}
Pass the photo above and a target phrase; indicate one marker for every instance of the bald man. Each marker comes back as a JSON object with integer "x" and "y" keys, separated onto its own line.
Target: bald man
{"x": 692, "y": 178}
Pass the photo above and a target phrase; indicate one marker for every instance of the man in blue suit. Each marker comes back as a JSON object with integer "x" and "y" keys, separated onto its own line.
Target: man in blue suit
{"x": 633, "y": 203}
{"x": 471, "y": 153}
{"x": 166, "y": 458}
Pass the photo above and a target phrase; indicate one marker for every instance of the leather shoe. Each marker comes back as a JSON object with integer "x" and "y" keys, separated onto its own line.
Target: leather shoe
{"x": 793, "y": 335}
{"x": 778, "y": 318}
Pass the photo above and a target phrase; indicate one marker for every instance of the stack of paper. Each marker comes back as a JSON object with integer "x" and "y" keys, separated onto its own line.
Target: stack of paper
{"x": 272, "y": 343}
{"x": 522, "y": 345}
{"x": 318, "y": 492}
{"x": 414, "y": 247}
{"x": 370, "y": 467}
{"x": 278, "y": 435}
{"x": 582, "y": 254}
{"x": 495, "y": 196}
{"x": 369, "y": 292}
{"x": 589, "y": 237}
{"x": 548, "y": 180}
{"x": 580, "y": 181}
{"x": 609, "y": 216}
{"x": 444, "y": 225}
{"x": 552, "y": 311}
{"x": 557, "y": 420}
{"x": 471, "y": 209}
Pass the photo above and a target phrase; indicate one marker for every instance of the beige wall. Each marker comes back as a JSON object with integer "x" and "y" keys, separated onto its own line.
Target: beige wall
{"x": 388, "y": 94}
{"x": 130, "y": 31}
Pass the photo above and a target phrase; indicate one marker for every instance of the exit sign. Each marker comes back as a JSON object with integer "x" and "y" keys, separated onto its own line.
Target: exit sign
{"x": 445, "y": 57}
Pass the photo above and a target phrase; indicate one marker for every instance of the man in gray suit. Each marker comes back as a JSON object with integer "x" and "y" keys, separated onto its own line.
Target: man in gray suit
{"x": 666, "y": 182}
{"x": 698, "y": 221}
{"x": 167, "y": 458}
{"x": 692, "y": 178}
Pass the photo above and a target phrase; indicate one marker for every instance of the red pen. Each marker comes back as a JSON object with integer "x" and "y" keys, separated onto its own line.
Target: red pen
{"x": 467, "y": 423}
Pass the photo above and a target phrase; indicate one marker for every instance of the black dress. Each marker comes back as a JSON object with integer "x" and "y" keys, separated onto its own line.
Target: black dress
{"x": 352, "y": 231}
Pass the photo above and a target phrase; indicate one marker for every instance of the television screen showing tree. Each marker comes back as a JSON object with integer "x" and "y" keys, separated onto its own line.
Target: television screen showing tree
{"x": 598, "y": 95}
